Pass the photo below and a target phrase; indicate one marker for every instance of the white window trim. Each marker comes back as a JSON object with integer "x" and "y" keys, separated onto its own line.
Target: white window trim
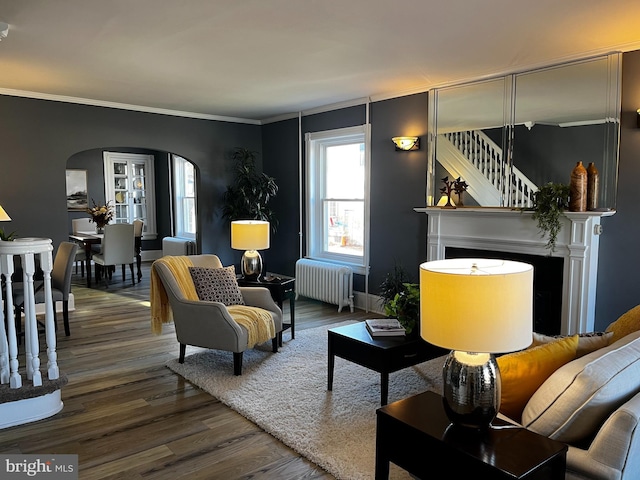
{"x": 314, "y": 142}
{"x": 176, "y": 197}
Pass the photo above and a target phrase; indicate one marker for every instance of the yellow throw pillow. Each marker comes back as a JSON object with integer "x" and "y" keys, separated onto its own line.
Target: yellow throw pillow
{"x": 627, "y": 323}
{"x": 523, "y": 372}
{"x": 587, "y": 342}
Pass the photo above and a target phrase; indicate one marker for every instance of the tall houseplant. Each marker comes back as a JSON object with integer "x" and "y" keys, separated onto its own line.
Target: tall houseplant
{"x": 248, "y": 197}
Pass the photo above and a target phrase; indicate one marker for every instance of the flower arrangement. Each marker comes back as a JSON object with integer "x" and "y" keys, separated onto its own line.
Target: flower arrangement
{"x": 101, "y": 215}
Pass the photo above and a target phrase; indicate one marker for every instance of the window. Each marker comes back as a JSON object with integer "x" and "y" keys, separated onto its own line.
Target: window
{"x": 129, "y": 183}
{"x": 337, "y": 196}
{"x": 184, "y": 197}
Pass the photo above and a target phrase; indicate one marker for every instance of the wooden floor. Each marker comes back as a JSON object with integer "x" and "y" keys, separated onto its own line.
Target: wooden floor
{"x": 127, "y": 416}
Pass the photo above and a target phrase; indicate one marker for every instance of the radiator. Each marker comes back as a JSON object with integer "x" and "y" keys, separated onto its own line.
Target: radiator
{"x": 326, "y": 282}
{"x": 178, "y": 246}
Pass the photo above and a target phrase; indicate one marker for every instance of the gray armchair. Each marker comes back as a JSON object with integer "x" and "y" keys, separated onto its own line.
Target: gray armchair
{"x": 209, "y": 324}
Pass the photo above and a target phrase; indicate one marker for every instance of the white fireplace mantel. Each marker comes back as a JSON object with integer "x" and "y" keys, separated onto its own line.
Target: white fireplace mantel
{"x": 514, "y": 231}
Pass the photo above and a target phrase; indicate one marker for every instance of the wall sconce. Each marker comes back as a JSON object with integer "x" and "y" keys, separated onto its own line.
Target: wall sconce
{"x": 406, "y": 143}
{"x": 638, "y": 118}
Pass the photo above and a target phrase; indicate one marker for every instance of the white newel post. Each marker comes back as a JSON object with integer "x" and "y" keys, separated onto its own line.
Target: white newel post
{"x": 507, "y": 230}
{"x": 26, "y": 249}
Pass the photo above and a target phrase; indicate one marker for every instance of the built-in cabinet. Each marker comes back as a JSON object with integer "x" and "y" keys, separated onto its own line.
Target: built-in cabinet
{"x": 129, "y": 184}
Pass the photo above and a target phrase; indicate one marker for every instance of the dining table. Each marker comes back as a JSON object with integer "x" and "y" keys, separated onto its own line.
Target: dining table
{"x": 89, "y": 239}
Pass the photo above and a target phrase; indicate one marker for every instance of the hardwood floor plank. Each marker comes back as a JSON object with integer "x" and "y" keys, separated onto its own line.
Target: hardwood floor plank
{"x": 127, "y": 416}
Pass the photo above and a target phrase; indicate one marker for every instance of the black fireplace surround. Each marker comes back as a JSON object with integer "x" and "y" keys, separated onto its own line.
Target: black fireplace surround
{"x": 547, "y": 284}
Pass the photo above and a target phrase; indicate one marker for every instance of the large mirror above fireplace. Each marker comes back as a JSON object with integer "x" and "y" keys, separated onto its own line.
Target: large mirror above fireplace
{"x": 508, "y": 136}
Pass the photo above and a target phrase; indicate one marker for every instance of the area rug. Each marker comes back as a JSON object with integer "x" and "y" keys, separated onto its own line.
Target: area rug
{"x": 286, "y": 395}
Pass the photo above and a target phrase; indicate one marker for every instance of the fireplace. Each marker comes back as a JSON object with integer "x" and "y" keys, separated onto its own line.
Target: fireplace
{"x": 547, "y": 284}
{"x": 505, "y": 232}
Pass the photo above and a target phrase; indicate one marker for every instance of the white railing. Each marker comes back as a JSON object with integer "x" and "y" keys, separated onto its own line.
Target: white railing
{"x": 486, "y": 156}
{"x": 10, "y": 370}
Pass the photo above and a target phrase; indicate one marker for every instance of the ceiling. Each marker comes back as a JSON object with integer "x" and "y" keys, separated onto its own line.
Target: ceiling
{"x": 261, "y": 60}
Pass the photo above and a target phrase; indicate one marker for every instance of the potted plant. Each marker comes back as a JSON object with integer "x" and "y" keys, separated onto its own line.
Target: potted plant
{"x": 7, "y": 237}
{"x": 248, "y": 197}
{"x": 400, "y": 299}
{"x": 549, "y": 204}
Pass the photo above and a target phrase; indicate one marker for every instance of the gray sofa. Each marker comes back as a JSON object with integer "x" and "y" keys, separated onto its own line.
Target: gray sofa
{"x": 593, "y": 404}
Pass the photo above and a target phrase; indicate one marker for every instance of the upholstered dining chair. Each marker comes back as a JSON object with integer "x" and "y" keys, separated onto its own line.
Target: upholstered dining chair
{"x": 216, "y": 323}
{"x": 138, "y": 227}
{"x": 118, "y": 248}
{"x": 60, "y": 285}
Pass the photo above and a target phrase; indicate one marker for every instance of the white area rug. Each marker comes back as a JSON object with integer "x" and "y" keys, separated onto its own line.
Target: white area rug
{"x": 286, "y": 395}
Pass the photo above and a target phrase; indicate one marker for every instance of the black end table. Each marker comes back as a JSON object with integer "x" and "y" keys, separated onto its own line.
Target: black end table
{"x": 416, "y": 434}
{"x": 381, "y": 354}
{"x": 281, "y": 287}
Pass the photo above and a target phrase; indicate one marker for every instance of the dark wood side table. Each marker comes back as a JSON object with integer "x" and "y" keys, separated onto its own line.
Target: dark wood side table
{"x": 281, "y": 288}
{"x": 382, "y": 354}
{"x": 416, "y": 434}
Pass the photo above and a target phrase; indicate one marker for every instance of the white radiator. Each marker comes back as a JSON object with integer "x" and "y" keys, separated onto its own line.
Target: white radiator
{"x": 178, "y": 246}
{"x": 326, "y": 282}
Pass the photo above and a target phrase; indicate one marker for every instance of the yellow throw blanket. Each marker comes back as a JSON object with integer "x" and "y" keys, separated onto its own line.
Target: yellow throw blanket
{"x": 160, "y": 308}
{"x": 257, "y": 321}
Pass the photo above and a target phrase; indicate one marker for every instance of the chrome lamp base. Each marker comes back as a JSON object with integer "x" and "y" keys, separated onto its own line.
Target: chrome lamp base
{"x": 251, "y": 265}
{"x": 471, "y": 389}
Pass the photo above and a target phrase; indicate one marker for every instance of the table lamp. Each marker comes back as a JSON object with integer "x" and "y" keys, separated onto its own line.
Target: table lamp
{"x": 251, "y": 236}
{"x": 475, "y": 307}
{"x": 3, "y": 215}
{"x": 4, "y": 218}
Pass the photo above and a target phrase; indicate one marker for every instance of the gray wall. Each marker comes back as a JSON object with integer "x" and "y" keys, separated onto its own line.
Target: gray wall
{"x": 618, "y": 289}
{"x": 38, "y": 137}
{"x": 398, "y": 234}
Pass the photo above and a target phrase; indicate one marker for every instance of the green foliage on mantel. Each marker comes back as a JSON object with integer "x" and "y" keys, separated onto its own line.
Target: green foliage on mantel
{"x": 549, "y": 204}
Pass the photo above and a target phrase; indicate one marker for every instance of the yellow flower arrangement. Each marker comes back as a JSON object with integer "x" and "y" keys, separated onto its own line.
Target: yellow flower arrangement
{"x": 101, "y": 215}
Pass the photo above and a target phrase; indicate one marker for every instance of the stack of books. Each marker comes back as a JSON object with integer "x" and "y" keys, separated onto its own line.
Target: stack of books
{"x": 385, "y": 327}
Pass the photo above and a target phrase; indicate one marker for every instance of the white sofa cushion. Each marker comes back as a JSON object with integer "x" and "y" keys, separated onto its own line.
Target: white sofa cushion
{"x": 576, "y": 399}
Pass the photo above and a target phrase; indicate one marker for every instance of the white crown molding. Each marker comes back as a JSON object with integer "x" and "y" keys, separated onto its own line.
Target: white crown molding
{"x": 123, "y": 106}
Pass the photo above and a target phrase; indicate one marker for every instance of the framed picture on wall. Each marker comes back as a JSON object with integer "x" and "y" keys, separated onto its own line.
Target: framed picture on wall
{"x": 77, "y": 195}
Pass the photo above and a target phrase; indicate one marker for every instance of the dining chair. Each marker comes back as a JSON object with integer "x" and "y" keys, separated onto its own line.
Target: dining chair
{"x": 118, "y": 248}
{"x": 138, "y": 227}
{"x": 60, "y": 286}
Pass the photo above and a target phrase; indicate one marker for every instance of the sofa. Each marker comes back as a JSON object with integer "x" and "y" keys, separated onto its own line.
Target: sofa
{"x": 592, "y": 403}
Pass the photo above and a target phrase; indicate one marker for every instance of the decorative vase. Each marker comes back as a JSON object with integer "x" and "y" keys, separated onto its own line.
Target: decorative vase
{"x": 593, "y": 185}
{"x": 99, "y": 229}
{"x": 578, "y": 189}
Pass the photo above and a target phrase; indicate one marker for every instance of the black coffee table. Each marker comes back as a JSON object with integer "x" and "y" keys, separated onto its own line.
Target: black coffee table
{"x": 382, "y": 354}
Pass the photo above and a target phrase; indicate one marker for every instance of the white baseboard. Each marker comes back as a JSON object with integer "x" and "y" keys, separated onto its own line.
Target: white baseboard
{"x": 368, "y": 303}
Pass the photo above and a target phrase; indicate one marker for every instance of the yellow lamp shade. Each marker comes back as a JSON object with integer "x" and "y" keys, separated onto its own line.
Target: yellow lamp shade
{"x": 477, "y": 305}
{"x": 249, "y": 235}
{"x": 3, "y": 215}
